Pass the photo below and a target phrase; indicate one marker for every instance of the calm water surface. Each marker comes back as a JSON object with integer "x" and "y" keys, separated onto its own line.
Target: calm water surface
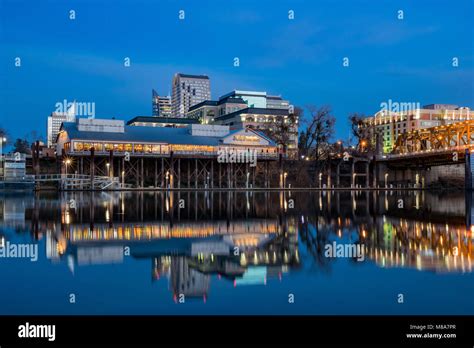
{"x": 236, "y": 253}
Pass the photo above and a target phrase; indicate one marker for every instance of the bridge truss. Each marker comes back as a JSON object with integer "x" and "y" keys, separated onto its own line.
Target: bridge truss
{"x": 457, "y": 137}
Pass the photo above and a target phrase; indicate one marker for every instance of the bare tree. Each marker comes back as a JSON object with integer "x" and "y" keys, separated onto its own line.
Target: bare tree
{"x": 34, "y": 136}
{"x": 3, "y": 133}
{"x": 283, "y": 130}
{"x": 22, "y": 146}
{"x": 313, "y": 142}
{"x": 365, "y": 141}
{"x": 356, "y": 121}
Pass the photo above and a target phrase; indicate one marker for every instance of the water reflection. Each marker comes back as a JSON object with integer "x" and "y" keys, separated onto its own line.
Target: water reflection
{"x": 242, "y": 237}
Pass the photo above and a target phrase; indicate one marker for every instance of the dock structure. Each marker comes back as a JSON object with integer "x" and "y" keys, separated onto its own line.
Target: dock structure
{"x": 194, "y": 157}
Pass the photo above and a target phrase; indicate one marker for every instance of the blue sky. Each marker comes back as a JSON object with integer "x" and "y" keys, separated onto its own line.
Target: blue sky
{"x": 407, "y": 60}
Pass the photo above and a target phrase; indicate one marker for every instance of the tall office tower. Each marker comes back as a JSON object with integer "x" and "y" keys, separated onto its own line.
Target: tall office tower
{"x": 188, "y": 90}
{"x": 56, "y": 119}
{"x": 161, "y": 106}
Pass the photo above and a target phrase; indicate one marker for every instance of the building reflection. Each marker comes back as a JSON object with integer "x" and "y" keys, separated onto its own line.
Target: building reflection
{"x": 245, "y": 238}
{"x": 398, "y": 229}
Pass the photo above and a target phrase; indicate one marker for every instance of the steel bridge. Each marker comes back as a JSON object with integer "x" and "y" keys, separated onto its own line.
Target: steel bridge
{"x": 437, "y": 143}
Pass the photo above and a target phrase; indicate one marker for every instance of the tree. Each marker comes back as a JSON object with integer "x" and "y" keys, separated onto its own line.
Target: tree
{"x": 313, "y": 141}
{"x": 365, "y": 141}
{"x": 22, "y": 146}
{"x": 356, "y": 121}
{"x": 33, "y": 136}
{"x": 3, "y": 133}
{"x": 284, "y": 130}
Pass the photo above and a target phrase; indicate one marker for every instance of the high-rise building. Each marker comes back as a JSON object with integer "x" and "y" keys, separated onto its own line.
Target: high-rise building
{"x": 247, "y": 109}
{"x": 55, "y": 120}
{"x": 256, "y": 99}
{"x": 385, "y": 126}
{"x": 188, "y": 90}
{"x": 161, "y": 106}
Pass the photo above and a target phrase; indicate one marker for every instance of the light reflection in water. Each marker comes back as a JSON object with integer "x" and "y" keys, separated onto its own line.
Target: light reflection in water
{"x": 246, "y": 238}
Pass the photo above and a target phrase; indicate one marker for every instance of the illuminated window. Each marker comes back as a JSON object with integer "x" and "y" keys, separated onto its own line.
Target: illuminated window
{"x": 148, "y": 148}
{"x": 118, "y": 147}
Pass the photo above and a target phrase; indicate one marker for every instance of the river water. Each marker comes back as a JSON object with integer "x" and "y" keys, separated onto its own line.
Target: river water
{"x": 236, "y": 253}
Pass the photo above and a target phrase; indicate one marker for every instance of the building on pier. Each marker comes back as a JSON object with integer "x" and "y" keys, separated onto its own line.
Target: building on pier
{"x": 104, "y": 136}
{"x": 152, "y": 121}
{"x": 204, "y": 154}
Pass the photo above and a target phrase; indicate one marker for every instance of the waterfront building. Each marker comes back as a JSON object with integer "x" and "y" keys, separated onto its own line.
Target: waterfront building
{"x": 194, "y": 157}
{"x": 260, "y": 119}
{"x": 113, "y": 135}
{"x": 55, "y": 121}
{"x": 245, "y": 109}
{"x": 255, "y": 99}
{"x": 161, "y": 106}
{"x": 188, "y": 90}
{"x": 208, "y": 110}
{"x": 386, "y": 125}
{"x": 173, "y": 122}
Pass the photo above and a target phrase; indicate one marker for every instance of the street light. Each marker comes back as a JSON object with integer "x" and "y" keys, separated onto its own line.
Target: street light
{"x": 123, "y": 178}
{"x": 284, "y": 179}
{"x": 67, "y": 162}
{"x": 108, "y": 168}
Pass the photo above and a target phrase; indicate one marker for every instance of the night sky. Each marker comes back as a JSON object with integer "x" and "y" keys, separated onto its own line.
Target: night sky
{"x": 403, "y": 60}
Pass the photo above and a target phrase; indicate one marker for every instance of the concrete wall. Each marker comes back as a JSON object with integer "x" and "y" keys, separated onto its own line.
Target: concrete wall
{"x": 450, "y": 175}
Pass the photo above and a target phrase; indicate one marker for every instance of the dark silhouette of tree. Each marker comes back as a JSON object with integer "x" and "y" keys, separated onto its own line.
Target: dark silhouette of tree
{"x": 3, "y": 133}
{"x": 284, "y": 130}
{"x": 314, "y": 139}
{"x": 22, "y": 146}
{"x": 366, "y": 142}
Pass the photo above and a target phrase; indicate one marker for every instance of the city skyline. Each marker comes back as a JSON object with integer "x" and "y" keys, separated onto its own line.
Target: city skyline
{"x": 300, "y": 59}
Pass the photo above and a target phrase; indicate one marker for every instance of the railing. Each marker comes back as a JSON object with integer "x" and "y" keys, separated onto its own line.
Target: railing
{"x": 58, "y": 177}
{"x": 23, "y": 178}
{"x": 78, "y": 181}
{"x": 449, "y": 149}
{"x": 166, "y": 154}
